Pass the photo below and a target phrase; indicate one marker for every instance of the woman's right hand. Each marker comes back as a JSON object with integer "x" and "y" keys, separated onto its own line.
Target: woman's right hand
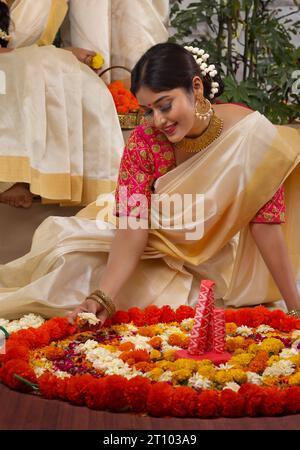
{"x": 89, "y": 306}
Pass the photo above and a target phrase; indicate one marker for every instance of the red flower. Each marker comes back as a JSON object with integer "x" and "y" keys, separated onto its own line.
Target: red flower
{"x": 160, "y": 399}
{"x": 95, "y": 395}
{"x": 293, "y": 399}
{"x": 232, "y": 404}
{"x": 208, "y": 404}
{"x": 137, "y": 392}
{"x": 254, "y": 398}
{"x": 137, "y": 316}
{"x": 152, "y": 315}
{"x": 18, "y": 367}
{"x": 48, "y": 385}
{"x": 20, "y": 352}
{"x": 77, "y": 388}
{"x": 120, "y": 317}
{"x": 167, "y": 314}
{"x": 116, "y": 387}
{"x": 185, "y": 401}
{"x": 274, "y": 402}
{"x": 58, "y": 328}
{"x": 184, "y": 312}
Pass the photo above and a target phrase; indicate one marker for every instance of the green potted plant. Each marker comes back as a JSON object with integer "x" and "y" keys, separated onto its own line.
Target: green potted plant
{"x": 252, "y": 42}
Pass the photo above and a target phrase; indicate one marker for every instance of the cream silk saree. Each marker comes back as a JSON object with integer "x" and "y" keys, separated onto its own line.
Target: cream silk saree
{"x": 59, "y": 129}
{"x": 237, "y": 174}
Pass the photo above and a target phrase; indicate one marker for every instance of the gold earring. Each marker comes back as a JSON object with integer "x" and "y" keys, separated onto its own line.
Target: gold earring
{"x": 203, "y": 109}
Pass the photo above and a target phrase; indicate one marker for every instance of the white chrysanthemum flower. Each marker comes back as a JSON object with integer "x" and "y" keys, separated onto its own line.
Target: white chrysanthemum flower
{"x": 225, "y": 366}
{"x": 131, "y": 328}
{"x": 282, "y": 367}
{"x": 140, "y": 342}
{"x": 288, "y": 352}
{"x": 166, "y": 376}
{"x": 232, "y": 386}
{"x": 165, "y": 347}
{"x": 244, "y": 330}
{"x": 187, "y": 324}
{"x": 264, "y": 329}
{"x": 89, "y": 317}
{"x": 172, "y": 330}
{"x": 295, "y": 334}
{"x": 39, "y": 370}
{"x": 296, "y": 343}
{"x": 31, "y": 320}
{"x": 254, "y": 378}
{"x": 89, "y": 345}
{"x": 198, "y": 381}
{"x": 4, "y": 323}
{"x": 61, "y": 374}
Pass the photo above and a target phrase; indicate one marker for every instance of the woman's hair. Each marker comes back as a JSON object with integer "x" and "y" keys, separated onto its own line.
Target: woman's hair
{"x": 4, "y": 22}
{"x": 169, "y": 66}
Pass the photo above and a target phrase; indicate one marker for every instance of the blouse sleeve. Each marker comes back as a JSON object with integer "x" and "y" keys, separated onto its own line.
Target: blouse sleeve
{"x": 273, "y": 211}
{"x": 136, "y": 178}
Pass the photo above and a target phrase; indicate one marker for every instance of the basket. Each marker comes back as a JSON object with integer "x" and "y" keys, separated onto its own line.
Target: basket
{"x": 131, "y": 119}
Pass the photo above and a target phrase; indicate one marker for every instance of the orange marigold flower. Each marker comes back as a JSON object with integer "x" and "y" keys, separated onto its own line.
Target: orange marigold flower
{"x": 156, "y": 342}
{"x": 126, "y": 347}
{"x": 52, "y": 352}
{"x": 135, "y": 355}
{"x": 179, "y": 340}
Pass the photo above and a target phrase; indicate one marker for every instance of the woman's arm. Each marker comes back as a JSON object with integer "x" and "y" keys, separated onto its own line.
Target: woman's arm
{"x": 126, "y": 251}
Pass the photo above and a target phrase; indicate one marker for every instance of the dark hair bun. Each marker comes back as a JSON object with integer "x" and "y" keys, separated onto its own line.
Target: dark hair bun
{"x": 169, "y": 66}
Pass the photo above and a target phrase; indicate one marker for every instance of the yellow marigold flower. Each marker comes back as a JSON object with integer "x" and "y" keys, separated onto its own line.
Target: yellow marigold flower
{"x": 188, "y": 364}
{"x": 295, "y": 359}
{"x": 119, "y": 328}
{"x": 165, "y": 365}
{"x": 181, "y": 375}
{"x": 238, "y": 375}
{"x": 223, "y": 376}
{"x": 273, "y": 359}
{"x": 230, "y": 328}
{"x": 239, "y": 351}
{"x": 294, "y": 379}
{"x": 110, "y": 348}
{"x": 179, "y": 339}
{"x": 204, "y": 362}
{"x": 272, "y": 345}
{"x": 155, "y": 373}
{"x": 97, "y": 61}
{"x": 271, "y": 381}
{"x": 207, "y": 371}
{"x": 155, "y": 354}
{"x": 253, "y": 348}
{"x": 241, "y": 360}
{"x": 169, "y": 355}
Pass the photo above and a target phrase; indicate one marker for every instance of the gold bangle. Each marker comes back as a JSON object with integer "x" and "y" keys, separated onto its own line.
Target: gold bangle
{"x": 105, "y": 301}
{"x": 294, "y": 313}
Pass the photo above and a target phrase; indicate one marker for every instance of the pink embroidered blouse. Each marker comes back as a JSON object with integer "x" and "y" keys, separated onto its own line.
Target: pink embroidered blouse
{"x": 147, "y": 156}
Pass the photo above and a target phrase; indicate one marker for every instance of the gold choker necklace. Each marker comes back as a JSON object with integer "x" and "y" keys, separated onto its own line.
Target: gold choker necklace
{"x": 197, "y": 144}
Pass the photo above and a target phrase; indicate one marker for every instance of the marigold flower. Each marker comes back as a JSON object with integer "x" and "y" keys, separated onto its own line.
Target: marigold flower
{"x": 181, "y": 375}
{"x": 155, "y": 373}
{"x": 272, "y": 345}
{"x": 184, "y": 402}
{"x": 179, "y": 340}
{"x": 155, "y": 354}
{"x": 241, "y": 360}
{"x": 97, "y": 61}
{"x": 156, "y": 342}
{"x": 126, "y": 347}
{"x": 230, "y": 327}
{"x": 294, "y": 379}
{"x": 188, "y": 364}
{"x": 169, "y": 355}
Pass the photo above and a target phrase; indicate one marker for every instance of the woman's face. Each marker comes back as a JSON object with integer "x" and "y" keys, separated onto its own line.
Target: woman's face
{"x": 172, "y": 112}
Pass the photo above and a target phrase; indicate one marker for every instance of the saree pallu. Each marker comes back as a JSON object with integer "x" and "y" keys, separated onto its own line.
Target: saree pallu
{"x": 237, "y": 174}
{"x": 59, "y": 129}
{"x": 35, "y": 21}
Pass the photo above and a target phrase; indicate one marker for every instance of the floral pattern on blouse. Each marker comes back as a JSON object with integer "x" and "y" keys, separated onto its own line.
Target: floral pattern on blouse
{"x": 147, "y": 156}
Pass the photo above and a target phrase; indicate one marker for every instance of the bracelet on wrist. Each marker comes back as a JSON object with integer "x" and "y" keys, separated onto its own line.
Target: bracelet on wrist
{"x": 294, "y": 313}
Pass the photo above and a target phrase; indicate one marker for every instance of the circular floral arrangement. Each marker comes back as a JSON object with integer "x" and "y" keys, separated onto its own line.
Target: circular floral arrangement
{"x": 129, "y": 364}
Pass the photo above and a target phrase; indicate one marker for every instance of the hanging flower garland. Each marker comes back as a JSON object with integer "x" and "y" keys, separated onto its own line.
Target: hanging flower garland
{"x": 130, "y": 365}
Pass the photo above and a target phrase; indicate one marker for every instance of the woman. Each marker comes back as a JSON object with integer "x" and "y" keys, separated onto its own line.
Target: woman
{"x": 121, "y": 30}
{"x": 236, "y": 158}
{"x": 61, "y": 108}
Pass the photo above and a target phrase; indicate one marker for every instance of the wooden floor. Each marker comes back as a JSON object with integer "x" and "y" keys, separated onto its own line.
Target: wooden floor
{"x": 20, "y": 411}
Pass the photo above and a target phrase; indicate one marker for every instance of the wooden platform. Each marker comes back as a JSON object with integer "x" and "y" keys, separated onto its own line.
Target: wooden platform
{"x": 20, "y": 411}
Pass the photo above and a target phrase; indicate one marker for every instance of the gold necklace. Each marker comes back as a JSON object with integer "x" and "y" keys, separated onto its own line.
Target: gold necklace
{"x": 197, "y": 144}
